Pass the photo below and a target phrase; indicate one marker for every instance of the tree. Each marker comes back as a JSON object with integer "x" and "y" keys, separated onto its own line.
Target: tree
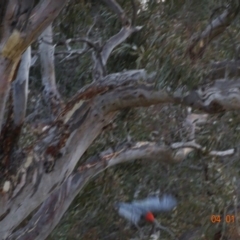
{"x": 40, "y": 181}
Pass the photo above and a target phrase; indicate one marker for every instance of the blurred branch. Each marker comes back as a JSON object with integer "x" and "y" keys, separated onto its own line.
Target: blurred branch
{"x": 216, "y": 27}
{"x": 202, "y": 149}
{"x": 20, "y": 88}
{"x": 100, "y": 57}
{"x": 116, "y": 40}
{"x": 101, "y": 53}
{"x": 224, "y": 69}
{"x": 112, "y": 4}
{"x": 72, "y": 54}
{"x": 211, "y": 99}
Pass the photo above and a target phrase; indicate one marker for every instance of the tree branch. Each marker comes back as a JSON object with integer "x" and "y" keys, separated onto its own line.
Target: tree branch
{"x": 116, "y": 40}
{"x": 68, "y": 137}
{"x": 101, "y": 56}
{"x": 218, "y": 96}
{"x": 216, "y": 27}
{"x": 110, "y": 82}
{"x": 55, "y": 206}
{"x": 16, "y": 38}
{"x": 204, "y": 150}
{"x": 11, "y": 130}
{"x": 45, "y": 165}
{"x": 112, "y": 4}
{"x": 77, "y": 52}
{"x": 224, "y": 69}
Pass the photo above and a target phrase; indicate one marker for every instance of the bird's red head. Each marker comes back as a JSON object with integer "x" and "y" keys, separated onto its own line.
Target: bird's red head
{"x": 149, "y": 217}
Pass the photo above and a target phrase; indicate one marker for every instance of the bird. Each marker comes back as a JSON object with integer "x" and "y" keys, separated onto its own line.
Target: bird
{"x": 138, "y": 212}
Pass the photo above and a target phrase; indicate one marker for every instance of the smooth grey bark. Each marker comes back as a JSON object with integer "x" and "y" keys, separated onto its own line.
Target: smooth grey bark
{"x": 20, "y": 88}
{"x": 50, "y": 92}
{"x": 15, "y": 38}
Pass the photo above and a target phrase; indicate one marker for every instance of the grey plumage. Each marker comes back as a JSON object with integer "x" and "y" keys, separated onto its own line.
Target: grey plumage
{"x": 132, "y": 213}
{"x": 136, "y": 211}
{"x": 155, "y": 204}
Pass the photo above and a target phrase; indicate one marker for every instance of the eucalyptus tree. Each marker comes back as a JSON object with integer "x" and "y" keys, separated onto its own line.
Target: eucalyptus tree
{"x": 39, "y": 182}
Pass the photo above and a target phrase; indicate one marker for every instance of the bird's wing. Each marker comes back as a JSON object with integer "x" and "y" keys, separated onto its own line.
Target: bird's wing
{"x": 130, "y": 212}
{"x": 156, "y": 204}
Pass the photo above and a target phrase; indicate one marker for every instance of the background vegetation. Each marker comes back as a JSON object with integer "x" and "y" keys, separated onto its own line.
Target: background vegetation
{"x": 202, "y": 184}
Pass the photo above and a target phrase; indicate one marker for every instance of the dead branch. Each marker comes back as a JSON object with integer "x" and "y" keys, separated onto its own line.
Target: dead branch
{"x": 219, "y": 96}
{"x": 100, "y": 58}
